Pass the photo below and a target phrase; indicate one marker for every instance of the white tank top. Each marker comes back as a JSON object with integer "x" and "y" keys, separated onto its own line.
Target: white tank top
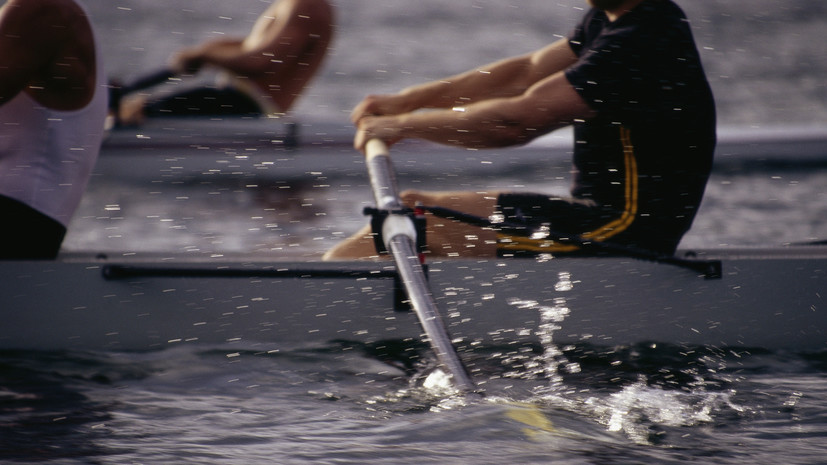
{"x": 47, "y": 156}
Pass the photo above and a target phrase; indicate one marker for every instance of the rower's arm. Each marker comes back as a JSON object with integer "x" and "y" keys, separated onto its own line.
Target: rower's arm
{"x": 549, "y": 104}
{"x": 280, "y": 35}
{"x": 215, "y": 52}
{"x": 506, "y": 78}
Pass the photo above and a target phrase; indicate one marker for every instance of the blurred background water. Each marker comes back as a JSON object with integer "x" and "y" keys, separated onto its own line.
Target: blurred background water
{"x": 765, "y": 60}
{"x": 344, "y": 404}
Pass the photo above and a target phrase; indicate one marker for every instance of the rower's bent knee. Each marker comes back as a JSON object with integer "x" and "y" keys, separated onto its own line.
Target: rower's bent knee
{"x": 359, "y": 246}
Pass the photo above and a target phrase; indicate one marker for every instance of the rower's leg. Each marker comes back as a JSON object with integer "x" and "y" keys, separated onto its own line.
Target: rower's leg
{"x": 451, "y": 238}
{"x": 445, "y": 237}
{"x": 358, "y": 246}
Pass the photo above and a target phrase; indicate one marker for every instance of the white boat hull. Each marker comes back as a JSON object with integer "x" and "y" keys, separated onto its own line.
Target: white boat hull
{"x": 769, "y": 299}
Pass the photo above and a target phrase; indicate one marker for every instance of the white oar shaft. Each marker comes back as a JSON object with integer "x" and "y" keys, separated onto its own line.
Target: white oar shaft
{"x": 400, "y": 239}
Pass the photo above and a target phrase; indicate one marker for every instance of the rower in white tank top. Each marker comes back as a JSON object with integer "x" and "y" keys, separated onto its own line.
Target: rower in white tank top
{"x": 52, "y": 108}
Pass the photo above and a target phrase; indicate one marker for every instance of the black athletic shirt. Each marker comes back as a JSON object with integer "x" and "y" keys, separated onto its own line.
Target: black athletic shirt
{"x": 647, "y": 155}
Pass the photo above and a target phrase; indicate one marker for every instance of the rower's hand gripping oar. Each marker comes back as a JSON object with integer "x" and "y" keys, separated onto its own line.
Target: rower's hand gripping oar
{"x": 117, "y": 91}
{"x": 400, "y": 239}
{"x": 149, "y": 80}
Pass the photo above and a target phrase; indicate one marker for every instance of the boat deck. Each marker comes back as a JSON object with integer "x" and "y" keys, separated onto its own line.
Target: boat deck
{"x": 769, "y": 298}
{"x": 766, "y": 297}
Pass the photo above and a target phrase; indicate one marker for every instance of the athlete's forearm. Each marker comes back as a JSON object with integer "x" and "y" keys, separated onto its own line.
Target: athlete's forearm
{"x": 228, "y": 54}
{"x": 549, "y": 104}
{"x": 496, "y": 81}
{"x": 482, "y": 125}
{"x": 486, "y": 124}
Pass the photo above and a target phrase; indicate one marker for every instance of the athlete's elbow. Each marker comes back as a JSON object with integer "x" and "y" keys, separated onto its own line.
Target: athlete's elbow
{"x": 520, "y": 127}
{"x": 513, "y": 133}
{"x": 507, "y": 136}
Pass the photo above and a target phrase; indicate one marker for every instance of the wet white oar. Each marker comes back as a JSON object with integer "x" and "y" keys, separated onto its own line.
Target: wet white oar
{"x": 399, "y": 235}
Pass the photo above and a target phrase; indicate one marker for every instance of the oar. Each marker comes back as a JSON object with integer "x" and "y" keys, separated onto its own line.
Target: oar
{"x": 148, "y": 80}
{"x": 399, "y": 235}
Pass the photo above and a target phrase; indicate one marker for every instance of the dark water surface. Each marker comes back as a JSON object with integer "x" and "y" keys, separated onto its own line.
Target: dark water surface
{"x": 340, "y": 404}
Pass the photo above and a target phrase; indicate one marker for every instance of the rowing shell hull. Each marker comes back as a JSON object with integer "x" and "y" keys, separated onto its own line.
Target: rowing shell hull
{"x": 771, "y": 299}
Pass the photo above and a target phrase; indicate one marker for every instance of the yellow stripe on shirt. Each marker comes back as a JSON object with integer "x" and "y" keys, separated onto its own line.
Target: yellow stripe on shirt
{"x": 606, "y": 231}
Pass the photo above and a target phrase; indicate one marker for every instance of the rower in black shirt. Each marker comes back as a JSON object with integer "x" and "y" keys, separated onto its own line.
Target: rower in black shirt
{"x": 641, "y": 164}
{"x": 630, "y": 81}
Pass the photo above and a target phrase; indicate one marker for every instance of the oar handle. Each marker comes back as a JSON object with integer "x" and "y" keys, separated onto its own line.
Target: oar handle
{"x": 382, "y": 175}
{"x": 386, "y": 192}
{"x": 376, "y": 148}
{"x": 148, "y": 80}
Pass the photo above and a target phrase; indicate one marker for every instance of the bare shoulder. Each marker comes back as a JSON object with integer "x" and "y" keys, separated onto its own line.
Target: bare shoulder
{"x": 51, "y": 46}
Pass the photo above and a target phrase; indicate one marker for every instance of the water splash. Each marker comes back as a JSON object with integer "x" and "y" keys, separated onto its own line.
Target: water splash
{"x": 641, "y": 412}
{"x": 552, "y": 359}
{"x": 431, "y": 391}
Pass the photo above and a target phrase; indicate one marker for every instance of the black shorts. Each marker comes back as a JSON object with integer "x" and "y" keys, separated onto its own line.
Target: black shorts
{"x": 541, "y": 221}
{"x": 206, "y": 101}
{"x": 27, "y": 234}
